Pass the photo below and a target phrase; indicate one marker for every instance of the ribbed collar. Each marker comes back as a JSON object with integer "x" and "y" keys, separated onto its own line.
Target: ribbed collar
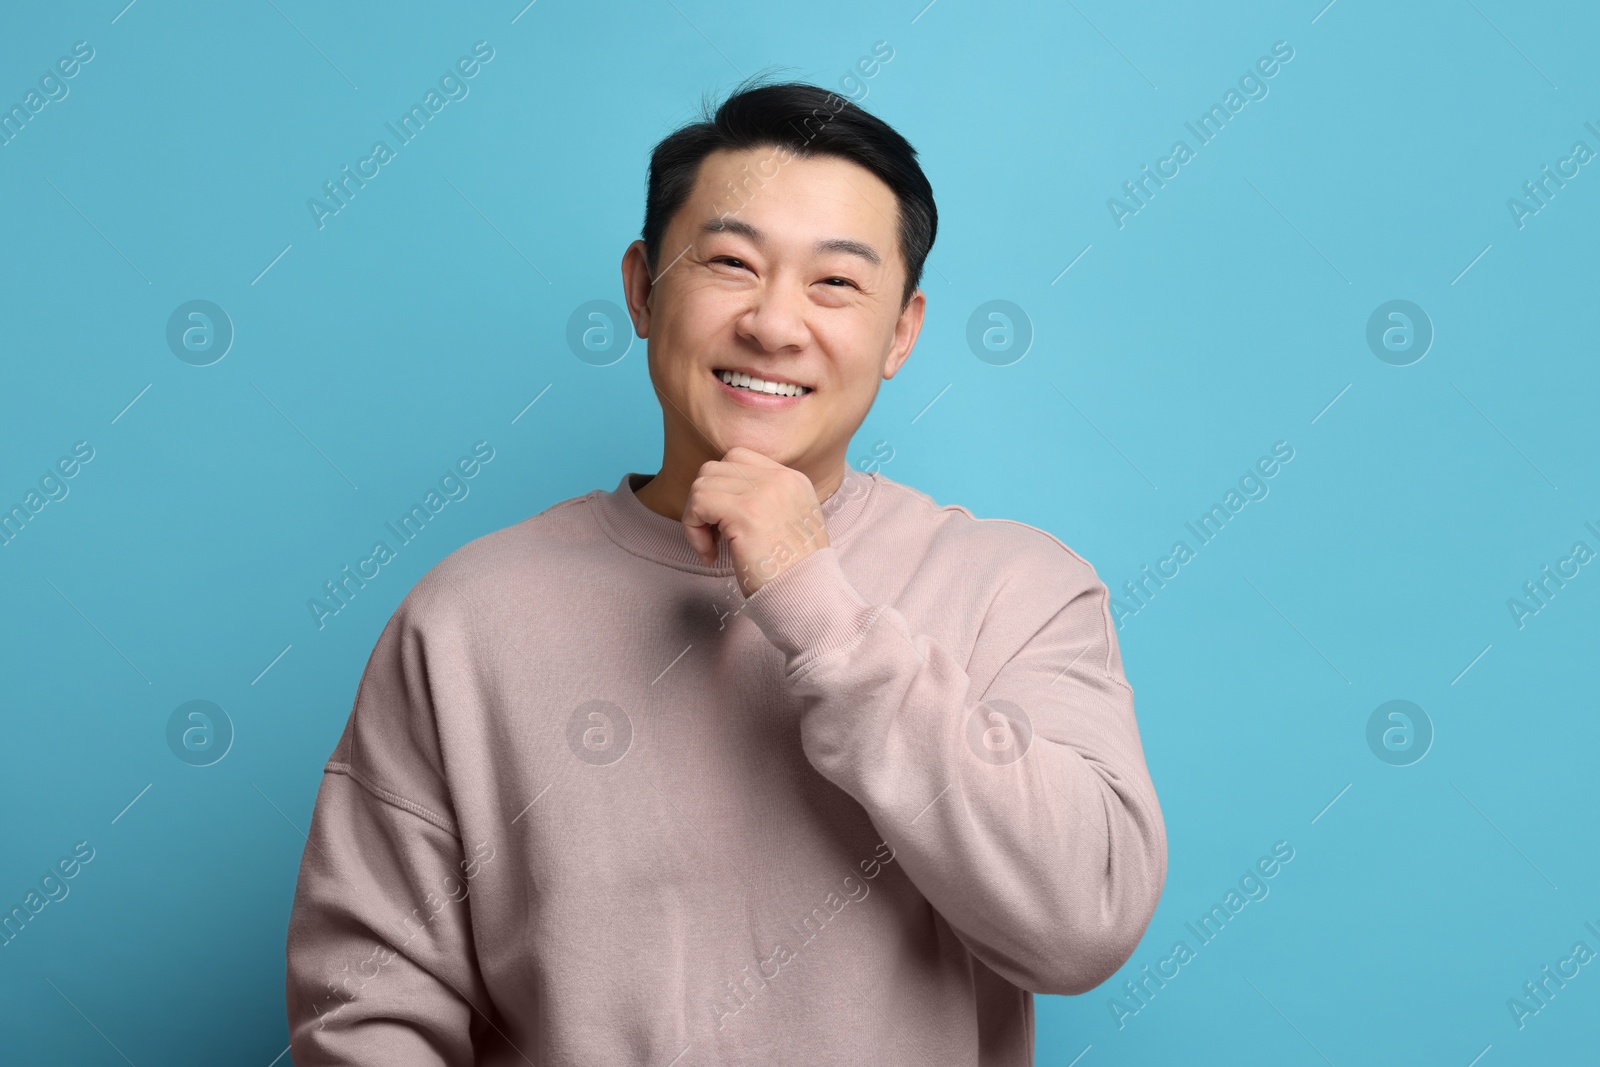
{"x": 628, "y": 522}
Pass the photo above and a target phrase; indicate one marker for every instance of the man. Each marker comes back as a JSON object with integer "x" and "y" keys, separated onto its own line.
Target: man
{"x": 760, "y": 759}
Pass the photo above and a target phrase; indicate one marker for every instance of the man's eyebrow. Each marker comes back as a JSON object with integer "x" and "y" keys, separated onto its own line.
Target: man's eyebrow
{"x": 846, "y": 245}
{"x": 728, "y": 224}
{"x": 850, "y": 248}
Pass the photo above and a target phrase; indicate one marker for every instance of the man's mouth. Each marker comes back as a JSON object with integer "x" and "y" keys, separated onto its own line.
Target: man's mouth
{"x": 740, "y": 380}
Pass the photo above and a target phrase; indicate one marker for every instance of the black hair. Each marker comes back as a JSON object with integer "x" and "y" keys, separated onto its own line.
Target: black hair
{"x": 807, "y": 121}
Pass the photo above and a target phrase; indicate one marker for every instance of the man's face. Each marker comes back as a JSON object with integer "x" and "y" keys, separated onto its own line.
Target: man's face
{"x": 797, "y": 280}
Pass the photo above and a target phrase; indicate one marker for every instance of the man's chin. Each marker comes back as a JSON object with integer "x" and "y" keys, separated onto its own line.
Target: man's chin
{"x": 777, "y": 451}
{"x": 778, "y": 447}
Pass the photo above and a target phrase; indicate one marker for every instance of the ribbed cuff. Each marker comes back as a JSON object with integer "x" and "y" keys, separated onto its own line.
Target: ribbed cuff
{"x": 810, "y": 609}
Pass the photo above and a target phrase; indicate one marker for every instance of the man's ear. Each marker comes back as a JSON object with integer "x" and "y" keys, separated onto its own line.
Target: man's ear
{"x": 637, "y": 287}
{"x": 906, "y": 329}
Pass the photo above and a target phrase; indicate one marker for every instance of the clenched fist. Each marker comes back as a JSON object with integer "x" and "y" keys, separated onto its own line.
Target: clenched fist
{"x": 768, "y": 512}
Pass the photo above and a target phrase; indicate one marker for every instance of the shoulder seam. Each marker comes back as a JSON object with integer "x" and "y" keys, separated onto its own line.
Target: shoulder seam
{"x": 581, "y": 498}
{"x": 1105, "y": 617}
{"x": 391, "y": 798}
{"x": 1103, "y": 594}
{"x": 962, "y": 509}
{"x": 1058, "y": 542}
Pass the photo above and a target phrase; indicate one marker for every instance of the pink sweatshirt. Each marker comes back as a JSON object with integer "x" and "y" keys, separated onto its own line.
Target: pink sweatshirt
{"x": 595, "y": 806}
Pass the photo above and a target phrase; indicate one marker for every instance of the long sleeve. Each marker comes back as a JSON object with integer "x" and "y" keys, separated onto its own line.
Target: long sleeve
{"x": 381, "y": 965}
{"x": 1024, "y": 813}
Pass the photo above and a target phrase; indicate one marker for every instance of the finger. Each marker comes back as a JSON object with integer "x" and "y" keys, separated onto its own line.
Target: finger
{"x": 730, "y": 485}
{"x": 728, "y": 469}
{"x": 703, "y": 539}
{"x": 702, "y": 512}
{"x": 741, "y": 454}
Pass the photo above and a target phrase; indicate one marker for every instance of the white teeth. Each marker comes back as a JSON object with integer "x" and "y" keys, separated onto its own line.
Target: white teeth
{"x": 761, "y": 385}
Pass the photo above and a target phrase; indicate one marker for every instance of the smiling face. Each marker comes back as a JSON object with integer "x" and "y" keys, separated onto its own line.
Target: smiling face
{"x": 798, "y": 286}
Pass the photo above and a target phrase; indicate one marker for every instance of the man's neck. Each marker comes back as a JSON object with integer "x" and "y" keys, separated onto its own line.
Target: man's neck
{"x": 667, "y": 491}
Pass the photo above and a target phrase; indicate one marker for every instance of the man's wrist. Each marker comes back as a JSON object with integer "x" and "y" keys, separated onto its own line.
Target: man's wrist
{"x": 810, "y": 608}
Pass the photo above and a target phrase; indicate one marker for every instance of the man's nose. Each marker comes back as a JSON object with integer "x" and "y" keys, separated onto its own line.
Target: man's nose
{"x": 776, "y": 318}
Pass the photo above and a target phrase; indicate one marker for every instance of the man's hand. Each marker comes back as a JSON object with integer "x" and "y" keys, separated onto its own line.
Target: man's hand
{"x": 768, "y": 512}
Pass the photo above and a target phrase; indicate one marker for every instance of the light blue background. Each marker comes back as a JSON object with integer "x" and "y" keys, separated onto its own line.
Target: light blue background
{"x": 1228, "y": 314}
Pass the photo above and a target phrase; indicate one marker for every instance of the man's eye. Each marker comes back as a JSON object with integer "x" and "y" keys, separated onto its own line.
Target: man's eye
{"x": 846, "y": 281}
{"x": 729, "y": 260}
